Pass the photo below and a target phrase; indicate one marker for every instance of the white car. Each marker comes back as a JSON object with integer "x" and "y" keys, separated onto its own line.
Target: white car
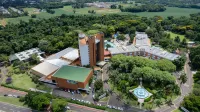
{"x": 67, "y": 107}
{"x": 98, "y": 104}
{"x": 10, "y": 95}
{"x": 109, "y": 106}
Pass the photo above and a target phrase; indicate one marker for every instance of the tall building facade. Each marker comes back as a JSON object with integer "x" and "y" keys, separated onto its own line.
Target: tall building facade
{"x": 91, "y": 49}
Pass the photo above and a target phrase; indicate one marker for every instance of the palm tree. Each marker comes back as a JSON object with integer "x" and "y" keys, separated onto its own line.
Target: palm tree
{"x": 169, "y": 102}
{"x": 183, "y": 78}
{"x": 158, "y": 103}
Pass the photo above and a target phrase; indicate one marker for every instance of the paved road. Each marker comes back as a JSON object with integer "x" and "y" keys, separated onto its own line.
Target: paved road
{"x": 185, "y": 90}
{"x": 81, "y": 108}
{"x": 5, "y": 107}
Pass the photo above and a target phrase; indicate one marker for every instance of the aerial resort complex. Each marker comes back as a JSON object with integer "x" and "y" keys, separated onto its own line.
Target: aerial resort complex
{"x": 66, "y": 69}
{"x": 100, "y": 56}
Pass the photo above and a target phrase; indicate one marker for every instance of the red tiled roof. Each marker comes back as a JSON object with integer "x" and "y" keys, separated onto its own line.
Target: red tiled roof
{"x": 106, "y": 52}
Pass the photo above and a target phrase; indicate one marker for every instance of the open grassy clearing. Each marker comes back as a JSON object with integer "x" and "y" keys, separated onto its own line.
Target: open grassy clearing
{"x": 173, "y": 35}
{"x": 171, "y": 11}
{"x": 12, "y": 100}
{"x": 24, "y": 81}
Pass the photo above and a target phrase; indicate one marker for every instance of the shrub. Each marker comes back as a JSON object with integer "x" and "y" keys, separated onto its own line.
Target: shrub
{"x": 21, "y": 99}
{"x": 148, "y": 99}
{"x": 8, "y": 80}
{"x": 33, "y": 16}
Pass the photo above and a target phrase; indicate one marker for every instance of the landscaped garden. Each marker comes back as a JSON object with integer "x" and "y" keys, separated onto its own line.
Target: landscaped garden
{"x": 125, "y": 74}
{"x": 19, "y": 77}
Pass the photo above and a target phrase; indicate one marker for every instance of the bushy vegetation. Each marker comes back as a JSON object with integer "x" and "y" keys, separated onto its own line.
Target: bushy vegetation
{"x": 57, "y": 33}
{"x": 195, "y": 57}
{"x": 144, "y": 8}
{"x": 126, "y": 71}
{"x": 192, "y": 102}
{"x": 173, "y": 3}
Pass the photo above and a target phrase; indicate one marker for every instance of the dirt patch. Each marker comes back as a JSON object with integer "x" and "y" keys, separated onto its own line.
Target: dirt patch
{"x": 3, "y": 22}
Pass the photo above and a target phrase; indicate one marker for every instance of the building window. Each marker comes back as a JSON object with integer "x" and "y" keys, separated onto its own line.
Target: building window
{"x": 71, "y": 82}
{"x": 53, "y": 81}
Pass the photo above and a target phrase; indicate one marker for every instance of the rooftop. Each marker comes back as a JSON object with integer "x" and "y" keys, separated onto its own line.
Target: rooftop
{"x": 142, "y": 39}
{"x": 72, "y": 55}
{"x": 45, "y": 68}
{"x": 49, "y": 66}
{"x": 60, "y": 54}
{"x": 24, "y": 55}
{"x": 74, "y": 73}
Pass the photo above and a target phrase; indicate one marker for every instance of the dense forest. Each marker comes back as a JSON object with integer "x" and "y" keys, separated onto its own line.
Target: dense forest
{"x": 173, "y": 3}
{"x": 52, "y": 35}
{"x": 144, "y": 8}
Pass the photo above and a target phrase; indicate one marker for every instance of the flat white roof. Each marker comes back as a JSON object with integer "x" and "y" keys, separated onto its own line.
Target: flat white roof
{"x": 45, "y": 68}
{"x": 24, "y": 55}
{"x": 60, "y": 54}
{"x": 49, "y": 66}
{"x": 72, "y": 55}
{"x": 58, "y": 62}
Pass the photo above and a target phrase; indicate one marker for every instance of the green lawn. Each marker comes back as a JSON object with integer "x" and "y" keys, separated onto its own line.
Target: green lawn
{"x": 177, "y": 110}
{"x": 173, "y": 35}
{"x": 171, "y": 11}
{"x": 11, "y": 100}
{"x": 24, "y": 81}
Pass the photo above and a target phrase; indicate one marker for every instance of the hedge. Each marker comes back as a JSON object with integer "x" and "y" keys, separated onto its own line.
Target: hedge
{"x": 148, "y": 99}
{"x": 12, "y": 87}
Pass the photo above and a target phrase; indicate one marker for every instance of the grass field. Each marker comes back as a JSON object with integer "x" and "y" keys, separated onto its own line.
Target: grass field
{"x": 171, "y": 11}
{"x": 173, "y": 35}
{"x": 12, "y": 100}
{"x": 177, "y": 110}
{"x": 24, "y": 81}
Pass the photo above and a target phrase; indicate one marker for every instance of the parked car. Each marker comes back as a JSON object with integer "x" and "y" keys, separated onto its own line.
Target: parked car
{"x": 5, "y": 95}
{"x": 109, "y": 106}
{"x": 67, "y": 107}
{"x": 10, "y": 95}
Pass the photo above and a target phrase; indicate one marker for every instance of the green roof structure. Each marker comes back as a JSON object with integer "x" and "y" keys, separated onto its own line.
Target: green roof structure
{"x": 74, "y": 73}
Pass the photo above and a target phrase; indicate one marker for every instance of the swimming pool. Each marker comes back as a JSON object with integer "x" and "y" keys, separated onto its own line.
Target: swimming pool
{"x": 110, "y": 43}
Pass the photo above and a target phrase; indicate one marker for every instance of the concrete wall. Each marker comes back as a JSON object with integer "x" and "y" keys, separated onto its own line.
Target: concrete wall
{"x": 84, "y": 54}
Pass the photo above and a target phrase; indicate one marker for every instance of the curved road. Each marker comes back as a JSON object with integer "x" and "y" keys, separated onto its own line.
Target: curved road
{"x": 185, "y": 90}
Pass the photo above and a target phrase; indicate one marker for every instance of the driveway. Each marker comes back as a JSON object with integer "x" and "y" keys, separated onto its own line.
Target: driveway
{"x": 185, "y": 90}
{"x": 5, "y": 107}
